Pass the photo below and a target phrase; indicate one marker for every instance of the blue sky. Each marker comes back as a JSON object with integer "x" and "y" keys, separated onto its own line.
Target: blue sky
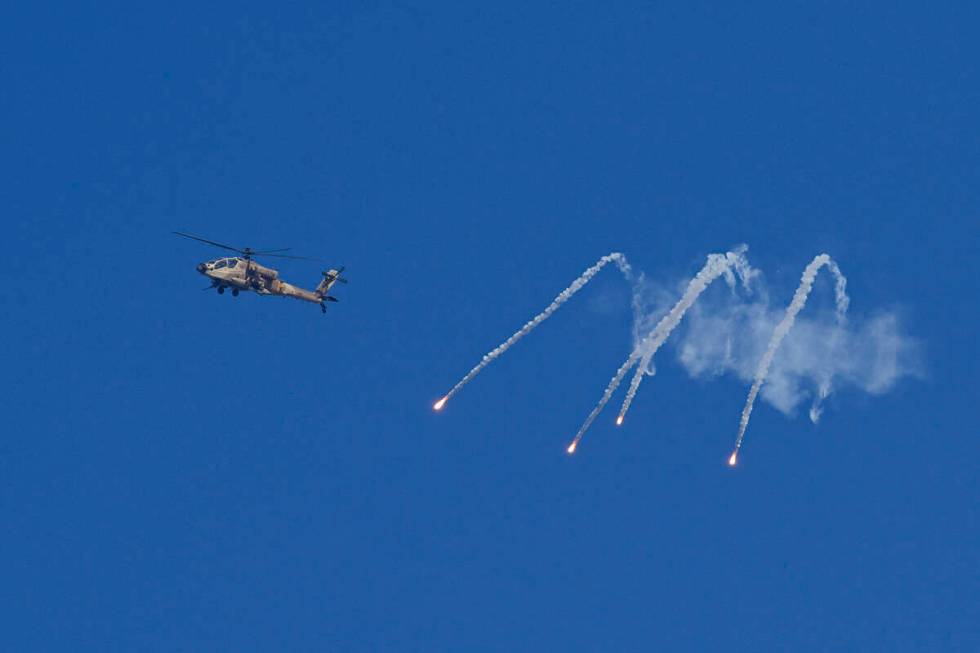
{"x": 183, "y": 471}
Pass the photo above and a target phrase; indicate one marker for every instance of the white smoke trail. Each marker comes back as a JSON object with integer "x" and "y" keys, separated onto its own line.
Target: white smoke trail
{"x": 610, "y": 389}
{"x": 783, "y": 328}
{"x": 562, "y": 297}
{"x": 840, "y": 291}
{"x": 842, "y": 301}
{"x": 717, "y": 265}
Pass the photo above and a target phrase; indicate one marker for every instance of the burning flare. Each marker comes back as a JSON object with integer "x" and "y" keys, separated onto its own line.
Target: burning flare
{"x": 571, "y": 448}
{"x": 439, "y": 404}
{"x": 733, "y": 459}
{"x": 619, "y": 421}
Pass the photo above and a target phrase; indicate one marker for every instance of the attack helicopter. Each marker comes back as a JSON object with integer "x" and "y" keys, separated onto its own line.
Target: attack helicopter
{"x": 243, "y": 273}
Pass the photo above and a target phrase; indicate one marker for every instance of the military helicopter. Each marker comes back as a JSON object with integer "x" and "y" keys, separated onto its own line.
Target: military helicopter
{"x": 243, "y": 273}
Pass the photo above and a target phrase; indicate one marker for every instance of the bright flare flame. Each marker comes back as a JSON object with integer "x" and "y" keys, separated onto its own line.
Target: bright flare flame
{"x": 732, "y": 460}
{"x": 571, "y": 448}
{"x": 439, "y": 404}
{"x": 619, "y": 421}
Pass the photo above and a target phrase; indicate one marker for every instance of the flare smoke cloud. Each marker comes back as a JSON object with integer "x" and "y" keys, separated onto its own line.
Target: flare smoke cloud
{"x": 787, "y": 357}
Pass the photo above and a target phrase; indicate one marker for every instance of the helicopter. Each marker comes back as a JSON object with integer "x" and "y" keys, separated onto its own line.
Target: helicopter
{"x": 244, "y": 273}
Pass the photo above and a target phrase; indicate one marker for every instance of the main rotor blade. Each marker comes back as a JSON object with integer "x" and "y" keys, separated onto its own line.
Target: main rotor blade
{"x": 274, "y": 253}
{"x": 299, "y": 258}
{"x": 210, "y": 242}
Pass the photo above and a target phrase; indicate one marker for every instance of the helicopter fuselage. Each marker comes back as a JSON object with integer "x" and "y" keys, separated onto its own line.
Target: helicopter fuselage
{"x": 241, "y": 274}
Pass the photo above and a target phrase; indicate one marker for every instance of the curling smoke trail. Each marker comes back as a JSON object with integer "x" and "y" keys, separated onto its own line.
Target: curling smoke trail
{"x": 783, "y": 328}
{"x": 562, "y": 297}
{"x": 717, "y": 265}
{"x": 842, "y": 301}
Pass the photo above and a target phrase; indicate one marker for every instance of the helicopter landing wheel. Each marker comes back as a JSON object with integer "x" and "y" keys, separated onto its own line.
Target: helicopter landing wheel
{"x": 221, "y": 290}
{"x": 234, "y": 292}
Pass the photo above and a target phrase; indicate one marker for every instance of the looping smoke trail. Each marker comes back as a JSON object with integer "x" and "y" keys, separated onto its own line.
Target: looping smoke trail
{"x": 716, "y": 266}
{"x": 562, "y": 297}
{"x": 783, "y": 328}
{"x": 842, "y": 301}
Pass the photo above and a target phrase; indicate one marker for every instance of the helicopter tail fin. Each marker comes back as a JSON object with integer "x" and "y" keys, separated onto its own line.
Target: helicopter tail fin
{"x": 330, "y": 277}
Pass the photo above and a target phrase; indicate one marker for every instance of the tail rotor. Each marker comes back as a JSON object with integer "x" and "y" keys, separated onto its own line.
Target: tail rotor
{"x": 330, "y": 277}
{"x": 334, "y": 275}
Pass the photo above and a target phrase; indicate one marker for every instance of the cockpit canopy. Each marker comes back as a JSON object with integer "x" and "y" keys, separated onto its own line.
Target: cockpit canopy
{"x": 223, "y": 263}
